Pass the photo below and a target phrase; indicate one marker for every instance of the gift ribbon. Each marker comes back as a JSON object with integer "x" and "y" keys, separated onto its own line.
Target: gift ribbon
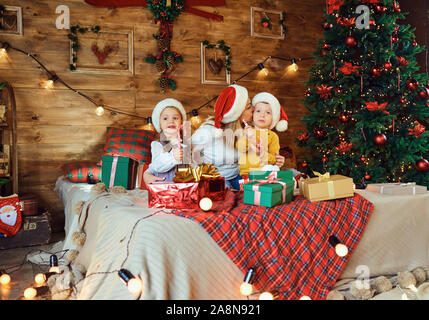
{"x": 326, "y": 178}
{"x": 189, "y": 174}
{"x": 322, "y": 177}
{"x": 270, "y": 179}
{"x": 113, "y": 171}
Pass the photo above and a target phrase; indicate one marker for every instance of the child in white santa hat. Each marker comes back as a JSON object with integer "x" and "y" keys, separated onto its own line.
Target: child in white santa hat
{"x": 259, "y": 145}
{"x": 167, "y": 118}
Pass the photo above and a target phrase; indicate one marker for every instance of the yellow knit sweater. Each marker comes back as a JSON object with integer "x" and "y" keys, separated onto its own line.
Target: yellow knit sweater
{"x": 249, "y": 160}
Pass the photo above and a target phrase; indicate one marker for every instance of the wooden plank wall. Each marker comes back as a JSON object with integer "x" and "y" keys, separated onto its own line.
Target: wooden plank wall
{"x": 58, "y": 126}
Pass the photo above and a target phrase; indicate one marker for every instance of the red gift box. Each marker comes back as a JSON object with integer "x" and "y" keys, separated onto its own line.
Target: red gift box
{"x": 172, "y": 195}
{"x": 213, "y": 188}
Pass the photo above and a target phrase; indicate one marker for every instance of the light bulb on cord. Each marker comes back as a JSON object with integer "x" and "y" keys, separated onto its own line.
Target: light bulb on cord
{"x": 40, "y": 278}
{"x": 269, "y": 295}
{"x": 195, "y": 120}
{"x": 99, "y": 111}
{"x": 149, "y": 126}
{"x": 246, "y": 287}
{"x": 49, "y": 84}
{"x": 3, "y": 50}
{"x": 340, "y": 249}
{"x": 134, "y": 285}
{"x": 206, "y": 204}
{"x": 4, "y": 278}
{"x": 263, "y": 69}
{"x": 53, "y": 263}
{"x": 294, "y": 65}
{"x": 30, "y": 293}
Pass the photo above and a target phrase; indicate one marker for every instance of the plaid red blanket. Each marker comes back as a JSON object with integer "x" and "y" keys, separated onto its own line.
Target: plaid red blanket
{"x": 287, "y": 245}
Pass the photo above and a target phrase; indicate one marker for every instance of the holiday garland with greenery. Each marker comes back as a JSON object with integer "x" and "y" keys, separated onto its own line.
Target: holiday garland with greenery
{"x": 368, "y": 103}
{"x": 165, "y": 60}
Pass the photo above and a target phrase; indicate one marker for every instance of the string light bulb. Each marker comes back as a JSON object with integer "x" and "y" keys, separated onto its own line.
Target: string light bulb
{"x": 99, "y": 111}
{"x": 50, "y": 83}
{"x": 149, "y": 126}
{"x": 53, "y": 263}
{"x": 305, "y": 298}
{"x": 340, "y": 249}
{"x": 30, "y": 293}
{"x": 4, "y": 278}
{"x": 40, "y": 278}
{"x": 3, "y": 50}
{"x": 269, "y": 295}
{"x": 195, "y": 120}
{"x": 294, "y": 65}
{"x": 206, "y": 204}
{"x": 263, "y": 69}
{"x": 246, "y": 288}
{"x": 134, "y": 285}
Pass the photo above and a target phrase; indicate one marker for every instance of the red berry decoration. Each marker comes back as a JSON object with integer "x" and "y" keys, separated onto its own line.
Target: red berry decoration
{"x": 414, "y": 43}
{"x": 380, "y": 9}
{"x": 327, "y": 26}
{"x": 380, "y": 139}
{"x": 422, "y": 165}
{"x": 403, "y": 100}
{"x": 363, "y": 159}
{"x": 338, "y": 90}
{"x": 412, "y": 84}
{"x": 367, "y": 176}
{"x": 326, "y": 46}
{"x": 344, "y": 117}
{"x": 423, "y": 94}
{"x": 351, "y": 42}
{"x": 304, "y": 164}
{"x": 325, "y": 159}
{"x": 387, "y": 66}
{"x": 265, "y": 24}
{"x": 395, "y": 38}
{"x": 375, "y": 71}
{"x": 319, "y": 133}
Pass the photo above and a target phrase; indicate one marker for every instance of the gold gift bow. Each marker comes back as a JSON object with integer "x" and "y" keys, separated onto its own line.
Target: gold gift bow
{"x": 322, "y": 177}
{"x": 189, "y": 174}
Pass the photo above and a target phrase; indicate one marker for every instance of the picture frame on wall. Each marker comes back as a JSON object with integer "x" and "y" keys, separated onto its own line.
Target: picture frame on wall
{"x": 101, "y": 51}
{"x": 215, "y": 63}
{"x": 10, "y": 20}
{"x": 266, "y": 23}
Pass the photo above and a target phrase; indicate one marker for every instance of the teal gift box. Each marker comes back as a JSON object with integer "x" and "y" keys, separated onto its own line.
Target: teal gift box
{"x": 124, "y": 171}
{"x": 269, "y": 194}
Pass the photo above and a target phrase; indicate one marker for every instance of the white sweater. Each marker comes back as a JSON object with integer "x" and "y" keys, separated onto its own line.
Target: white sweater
{"x": 214, "y": 150}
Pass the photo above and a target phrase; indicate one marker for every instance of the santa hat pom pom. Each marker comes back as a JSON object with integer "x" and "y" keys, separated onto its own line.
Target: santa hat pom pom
{"x": 282, "y": 125}
{"x": 218, "y": 133}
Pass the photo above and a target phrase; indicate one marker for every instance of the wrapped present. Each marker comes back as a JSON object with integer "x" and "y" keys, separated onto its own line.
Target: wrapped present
{"x": 10, "y": 215}
{"x": 212, "y": 185}
{"x": 244, "y": 179}
{"x": 269, "y": 191}
{"x": 409, "y": 188}
{"x": 172, "y": 195}
{"x": 326, "y": 187}
{"x": 119, "y": 171}
{"x": 284, "y": 175}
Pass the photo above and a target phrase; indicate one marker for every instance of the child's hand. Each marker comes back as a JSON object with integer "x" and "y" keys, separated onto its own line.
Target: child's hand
{"x": 178, "y": 154}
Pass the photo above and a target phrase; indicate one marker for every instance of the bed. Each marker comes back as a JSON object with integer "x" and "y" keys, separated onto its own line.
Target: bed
{"x": 177, "y": 258}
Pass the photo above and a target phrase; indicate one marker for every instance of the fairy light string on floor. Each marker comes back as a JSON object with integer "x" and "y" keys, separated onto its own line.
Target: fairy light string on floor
{"x": 100, "y": 108}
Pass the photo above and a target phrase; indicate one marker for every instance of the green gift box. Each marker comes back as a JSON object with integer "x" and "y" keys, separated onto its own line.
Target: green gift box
{"x": 268, "y": 194}
{"x": 119, "y": 171}
{"x": 257, "y": 175}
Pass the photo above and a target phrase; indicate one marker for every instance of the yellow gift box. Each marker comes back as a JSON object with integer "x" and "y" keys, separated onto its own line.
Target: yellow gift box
{"x": 326, "y": 187}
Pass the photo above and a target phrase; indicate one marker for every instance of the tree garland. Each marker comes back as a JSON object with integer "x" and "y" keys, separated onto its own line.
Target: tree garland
{"x": 73, "y": 36}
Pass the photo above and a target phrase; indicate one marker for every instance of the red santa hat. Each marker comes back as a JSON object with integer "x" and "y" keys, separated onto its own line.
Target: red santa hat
{"x": 230, "y": 104}
{"x": 160, "y": 106}
{"x": 280, "y": 120}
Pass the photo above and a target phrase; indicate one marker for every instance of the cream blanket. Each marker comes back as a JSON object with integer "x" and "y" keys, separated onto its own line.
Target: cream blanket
{"x": 177, "y": 259}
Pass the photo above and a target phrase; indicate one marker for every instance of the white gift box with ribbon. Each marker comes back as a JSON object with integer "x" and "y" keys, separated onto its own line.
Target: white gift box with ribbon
{"x": 410, "y": 188}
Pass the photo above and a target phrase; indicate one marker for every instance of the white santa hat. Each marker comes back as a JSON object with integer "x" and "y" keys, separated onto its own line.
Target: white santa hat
{"x": 230, "y": 104}
{"x": 160, "y": 106}
{"x": 280, "y": 120}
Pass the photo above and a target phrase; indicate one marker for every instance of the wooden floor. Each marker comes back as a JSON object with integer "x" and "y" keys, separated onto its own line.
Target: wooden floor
{"x": 22, "y": 272}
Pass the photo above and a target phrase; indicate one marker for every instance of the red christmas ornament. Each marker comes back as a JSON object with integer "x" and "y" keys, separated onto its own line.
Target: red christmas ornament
{"x": 414, "y": 43}
{"x": 304, "y": 164}
{"x": 344, "y": 117}
{"x": 375, "y": 71}
{"x": 363, "y": 159}
{"x": 339, "y": 90}
{"x": 327, "y": 26}
{"x": 319, "y": 133}
{"x": 422, "y": 165}
{"x": 326, "y": 46}
{"x": 325, "y": 159}
{"x": 395, "y": 38}
{"x": 367, "y": 176}
{"x": 350, "y": 42}
{"x": 265, "y": 24}
{"x": 322, "y": 53}
{"x": 411, "y": 84}
{"x": 387, "y": 66}
{"x": 380, "y": 139}
{"x": 403, "y": 100}
{"x": 423, "y": 94}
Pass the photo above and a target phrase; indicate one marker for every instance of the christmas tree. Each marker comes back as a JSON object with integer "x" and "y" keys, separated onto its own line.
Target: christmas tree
{"x": 368, "y": 104}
